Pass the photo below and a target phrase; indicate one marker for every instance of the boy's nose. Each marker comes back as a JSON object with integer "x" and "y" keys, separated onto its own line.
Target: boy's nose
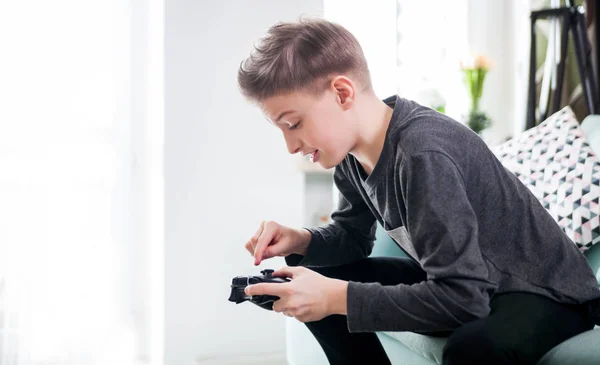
{"x": 292, "y": 146}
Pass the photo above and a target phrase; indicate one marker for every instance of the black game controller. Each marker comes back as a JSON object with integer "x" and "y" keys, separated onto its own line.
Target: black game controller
{"x": 239, "y": 283}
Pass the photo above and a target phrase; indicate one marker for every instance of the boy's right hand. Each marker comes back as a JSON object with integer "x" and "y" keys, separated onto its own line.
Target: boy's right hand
{"x": 272, "y": 239}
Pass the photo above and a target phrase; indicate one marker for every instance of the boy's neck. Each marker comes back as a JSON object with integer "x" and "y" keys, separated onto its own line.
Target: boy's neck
{"x": 374, "y": 119}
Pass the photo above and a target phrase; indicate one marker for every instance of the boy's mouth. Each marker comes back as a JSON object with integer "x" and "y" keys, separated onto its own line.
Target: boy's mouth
{"x": 314, "y": 157}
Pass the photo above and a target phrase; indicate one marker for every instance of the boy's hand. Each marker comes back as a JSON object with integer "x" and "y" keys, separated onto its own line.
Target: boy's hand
{"x": 309, "y": 297}
{"x": 272, "y": 239}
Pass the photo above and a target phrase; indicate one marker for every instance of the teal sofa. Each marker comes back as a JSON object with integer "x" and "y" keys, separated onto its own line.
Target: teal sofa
{"x": 412, "y": 348}
{"x": 408, "y": 348}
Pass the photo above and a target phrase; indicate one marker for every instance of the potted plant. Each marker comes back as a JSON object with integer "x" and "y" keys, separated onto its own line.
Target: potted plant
{"x": 475, "y": 70}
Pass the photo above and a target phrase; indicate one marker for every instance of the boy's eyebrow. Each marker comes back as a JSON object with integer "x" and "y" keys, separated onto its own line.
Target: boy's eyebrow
{"x": 282, "y": 114}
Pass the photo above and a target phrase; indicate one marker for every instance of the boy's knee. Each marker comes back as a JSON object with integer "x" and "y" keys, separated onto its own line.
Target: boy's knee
{"x": 473, "y": 344}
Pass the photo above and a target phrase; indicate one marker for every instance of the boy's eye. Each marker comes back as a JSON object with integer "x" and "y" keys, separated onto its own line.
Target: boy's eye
{"x": 295, "y": 125}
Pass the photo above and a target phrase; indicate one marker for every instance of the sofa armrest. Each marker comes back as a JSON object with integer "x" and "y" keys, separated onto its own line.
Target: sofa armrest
{"x": 593, "y": 258}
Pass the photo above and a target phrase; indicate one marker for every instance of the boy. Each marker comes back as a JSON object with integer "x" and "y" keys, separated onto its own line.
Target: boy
{"x": 488, "y": 266}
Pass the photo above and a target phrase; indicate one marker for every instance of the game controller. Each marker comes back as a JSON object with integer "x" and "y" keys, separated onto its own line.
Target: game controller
{"x": 239, "y": 283}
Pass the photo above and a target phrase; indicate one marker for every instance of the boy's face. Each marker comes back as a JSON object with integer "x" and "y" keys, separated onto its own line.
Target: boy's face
{"x": 317, "y": 125}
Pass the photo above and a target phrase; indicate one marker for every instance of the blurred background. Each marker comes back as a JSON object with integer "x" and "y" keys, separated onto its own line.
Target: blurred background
{"x": 132, "y": 172}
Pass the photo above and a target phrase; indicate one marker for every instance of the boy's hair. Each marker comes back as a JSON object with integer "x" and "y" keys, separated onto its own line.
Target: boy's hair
{"x": 301, "y": 55}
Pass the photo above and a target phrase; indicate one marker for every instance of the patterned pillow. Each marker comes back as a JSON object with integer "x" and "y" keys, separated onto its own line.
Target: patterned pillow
{"x": 555, "y": 161}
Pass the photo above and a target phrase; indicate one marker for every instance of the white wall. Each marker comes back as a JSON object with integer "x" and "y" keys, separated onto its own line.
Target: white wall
{"x": 373, "y": 23}
{"x": 226, "y": 169}
{"x": 490, "y": 33}
{"x": 521, "y": 43}
{"x": 500, "y": 29}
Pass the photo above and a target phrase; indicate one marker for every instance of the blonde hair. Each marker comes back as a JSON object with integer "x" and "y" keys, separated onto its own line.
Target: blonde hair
{"x": 301, "y": 55}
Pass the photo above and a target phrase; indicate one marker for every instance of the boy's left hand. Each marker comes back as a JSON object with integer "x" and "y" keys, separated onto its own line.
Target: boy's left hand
{"x": 309, "y": 296}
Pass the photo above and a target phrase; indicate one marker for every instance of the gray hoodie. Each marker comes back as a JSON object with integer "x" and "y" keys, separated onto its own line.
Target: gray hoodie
{"x": 448, "y": 202}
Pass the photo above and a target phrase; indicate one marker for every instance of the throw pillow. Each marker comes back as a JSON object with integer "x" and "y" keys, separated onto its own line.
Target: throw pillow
{"x": 557, "y": 164}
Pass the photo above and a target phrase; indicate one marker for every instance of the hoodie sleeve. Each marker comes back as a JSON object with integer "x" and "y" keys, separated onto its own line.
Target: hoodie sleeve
{"x": 443, "y": 228}
{"x": 348, "y": 238}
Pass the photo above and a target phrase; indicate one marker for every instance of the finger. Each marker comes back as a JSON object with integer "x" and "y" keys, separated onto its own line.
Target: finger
{"x": 264, "y": 240}
{"x": 281, "y": 308}
{"x": 252, "y": 241}
{"x": 254, "y": 238}
{"x": 279, "y": 290}
{"x": 277, "y": 306}
{"x": 304, "y": 318}
{"x": 289, "y": 271}
{"x": 249, "y": 248}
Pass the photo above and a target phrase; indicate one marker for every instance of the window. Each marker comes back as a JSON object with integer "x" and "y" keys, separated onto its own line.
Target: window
{"x": 431, "y": 41}
{"x": 69, "y": 167}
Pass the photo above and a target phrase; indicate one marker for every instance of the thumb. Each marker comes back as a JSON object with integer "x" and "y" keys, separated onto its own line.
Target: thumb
{"x": 272, "y": 251}
{"x": 266, "y": 289}
{"x": 282, "y": 247}
{"x": 289, "y": 271}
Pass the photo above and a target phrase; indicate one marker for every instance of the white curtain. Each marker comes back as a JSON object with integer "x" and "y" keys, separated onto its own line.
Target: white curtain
{"x": 65, "y": 174}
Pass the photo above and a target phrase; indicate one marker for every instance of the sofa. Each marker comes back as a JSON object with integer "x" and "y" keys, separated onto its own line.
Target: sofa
{"x": 415, "y": 349}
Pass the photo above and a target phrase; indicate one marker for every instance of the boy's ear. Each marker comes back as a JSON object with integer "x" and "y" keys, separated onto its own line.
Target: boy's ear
{"x": 344, "y": 91}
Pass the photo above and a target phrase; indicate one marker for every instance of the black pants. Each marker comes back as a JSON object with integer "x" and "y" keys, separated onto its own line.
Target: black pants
{"x": 520, "y": 329}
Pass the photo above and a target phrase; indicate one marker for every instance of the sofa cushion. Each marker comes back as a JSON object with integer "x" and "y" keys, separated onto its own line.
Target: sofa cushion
{"x": 581, "y": 349}
{"x": 555, "y": 161}
{"x": 399, "y": 354}
{"x": 591, "y": 128}
{"x": 428, "y": 347}
{"x": 385, "y": 246}
{"x": 593, "y": 257}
